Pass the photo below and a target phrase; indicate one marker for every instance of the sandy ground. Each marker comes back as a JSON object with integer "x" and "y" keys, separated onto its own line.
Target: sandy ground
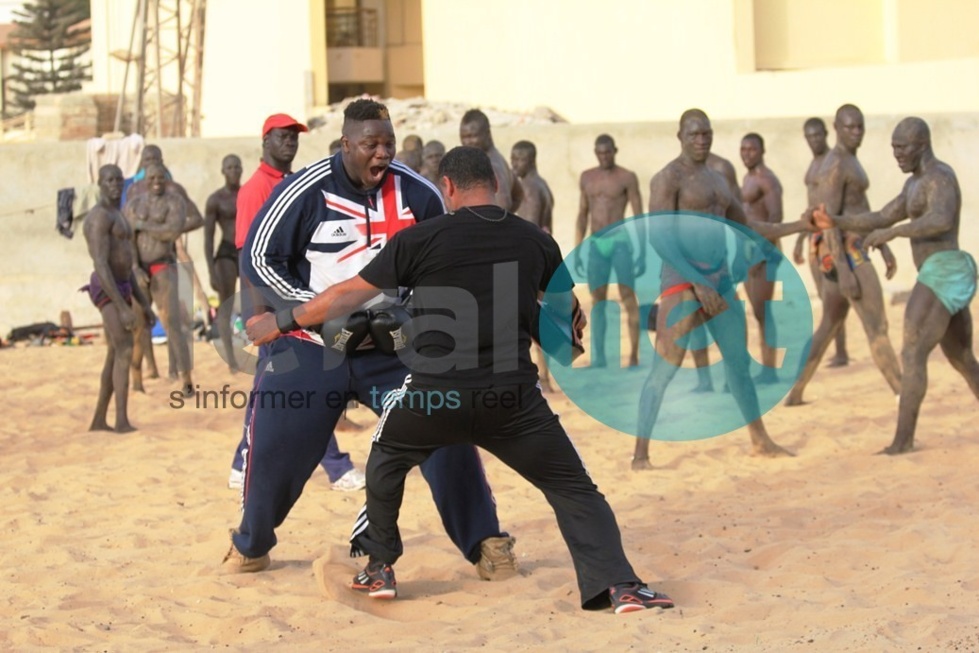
{"x": 113, "y": 542}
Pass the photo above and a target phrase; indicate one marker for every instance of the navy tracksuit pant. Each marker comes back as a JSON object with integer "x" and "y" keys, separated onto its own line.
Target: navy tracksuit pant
{"x": 299, "y": 394}
{"x": 335, "y": 463}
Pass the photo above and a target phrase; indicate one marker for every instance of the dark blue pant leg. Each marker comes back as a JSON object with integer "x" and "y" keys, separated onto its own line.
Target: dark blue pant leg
{"x": 335, "y": 463}
{"x": 292, "y": 414}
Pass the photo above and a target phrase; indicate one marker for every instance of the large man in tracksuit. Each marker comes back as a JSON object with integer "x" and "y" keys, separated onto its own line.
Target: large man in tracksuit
{"x": 319, "y": 227}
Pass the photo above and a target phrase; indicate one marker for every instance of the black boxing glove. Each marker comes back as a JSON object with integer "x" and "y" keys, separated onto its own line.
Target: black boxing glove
{"x": 345, "y": 333}
{"x": 390, "y": 328}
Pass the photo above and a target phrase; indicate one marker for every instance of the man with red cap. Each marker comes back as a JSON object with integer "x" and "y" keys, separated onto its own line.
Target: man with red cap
{"x": 280, "y": 143}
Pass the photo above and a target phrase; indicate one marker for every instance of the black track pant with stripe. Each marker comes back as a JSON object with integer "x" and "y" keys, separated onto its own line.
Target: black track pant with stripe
{"x": 515, "y": 424}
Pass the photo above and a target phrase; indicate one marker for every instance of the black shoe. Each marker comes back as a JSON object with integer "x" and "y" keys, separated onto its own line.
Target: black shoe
{"x": 632, "y": 597}
{"x": 377, "y": 580}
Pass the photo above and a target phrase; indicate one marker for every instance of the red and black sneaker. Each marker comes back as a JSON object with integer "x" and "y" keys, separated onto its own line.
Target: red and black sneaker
{"x": 377, "y": 580}
{"x": 632, "y": 597}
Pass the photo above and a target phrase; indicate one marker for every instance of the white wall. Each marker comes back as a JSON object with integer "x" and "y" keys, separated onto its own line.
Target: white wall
{"x": 256, "y": 63}
{"x": 647, "y": 60}
{"x": 7, "y": 10}
{"x": 256, "y": 60}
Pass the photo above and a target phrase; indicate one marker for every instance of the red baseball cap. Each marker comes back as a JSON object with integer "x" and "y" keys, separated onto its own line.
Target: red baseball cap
{"x": 280, "y": 121}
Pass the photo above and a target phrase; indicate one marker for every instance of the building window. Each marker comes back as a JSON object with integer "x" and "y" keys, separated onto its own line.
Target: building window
{"x": 350, "y": 26}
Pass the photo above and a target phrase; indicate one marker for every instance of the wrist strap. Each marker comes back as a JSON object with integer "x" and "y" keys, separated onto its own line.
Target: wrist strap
{"x": 285, "y": 320}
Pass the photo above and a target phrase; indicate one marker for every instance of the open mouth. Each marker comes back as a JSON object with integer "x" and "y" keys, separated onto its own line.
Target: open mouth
{"x": 377, "y": 171}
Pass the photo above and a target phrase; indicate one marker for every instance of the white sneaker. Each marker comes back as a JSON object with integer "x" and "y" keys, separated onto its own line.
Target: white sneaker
{"x": 351, "y": 481}
{"x": 236, "y": 479}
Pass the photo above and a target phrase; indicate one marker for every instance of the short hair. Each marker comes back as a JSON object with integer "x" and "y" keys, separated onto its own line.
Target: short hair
{"x": 106, "y": 169}
{"x": 151, "y": 151}
{"x": 155, "y": 166}
{"x": 432, "y": 146}
{"x": 526, "y": 146}
{"x": 917, "y": 128}
{"x": 692, "y": 113}
{"x": 365, "y": 109}
{"x": 847, "y": 107}
{"x": 757, "y": 137}
{"x": 475, "y": 116}
{"x": 814, "y": 122}
{"x": 411, "y": 158}
{"x": 467, "y": 167}
{"x": 412, "y": 142}
{"x": 605, "y": 139}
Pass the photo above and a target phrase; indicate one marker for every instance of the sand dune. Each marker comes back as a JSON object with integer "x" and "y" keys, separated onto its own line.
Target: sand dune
{"x": 113, "y": 542}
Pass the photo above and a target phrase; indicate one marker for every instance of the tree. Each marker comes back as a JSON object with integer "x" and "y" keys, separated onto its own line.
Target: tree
{"x": 50, "y": 39}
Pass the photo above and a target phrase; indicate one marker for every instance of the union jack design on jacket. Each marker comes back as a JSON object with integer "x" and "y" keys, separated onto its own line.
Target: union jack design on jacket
{"x": 317, "y": 229}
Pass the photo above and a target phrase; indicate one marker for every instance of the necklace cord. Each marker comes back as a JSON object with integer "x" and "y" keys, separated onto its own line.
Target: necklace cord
{"x": 483, "y": 217}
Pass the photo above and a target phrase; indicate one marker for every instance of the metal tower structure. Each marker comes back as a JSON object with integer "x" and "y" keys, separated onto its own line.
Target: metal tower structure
{"x": 166, "y": 45}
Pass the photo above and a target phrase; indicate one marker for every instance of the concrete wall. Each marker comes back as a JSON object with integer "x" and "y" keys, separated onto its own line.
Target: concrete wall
{"x": 41, "y": 271}
{"x": 65, "y": 117}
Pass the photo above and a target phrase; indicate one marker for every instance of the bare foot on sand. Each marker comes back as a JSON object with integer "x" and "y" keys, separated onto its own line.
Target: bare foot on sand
{"x": 704, "y": 386}
{"x": 897, "y": 448}
{"x": 768, "y": 376}
{"x": 794, "y": 400}
{"x": 770, "y": 450}
{"x": 641, "y": 464}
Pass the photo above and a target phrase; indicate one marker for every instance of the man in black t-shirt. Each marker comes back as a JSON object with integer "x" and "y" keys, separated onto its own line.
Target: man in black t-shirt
{"x": 477, "y": 274}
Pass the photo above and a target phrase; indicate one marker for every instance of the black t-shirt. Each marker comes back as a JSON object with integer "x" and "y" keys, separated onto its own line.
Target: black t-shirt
{"x": 475, "y": 274}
